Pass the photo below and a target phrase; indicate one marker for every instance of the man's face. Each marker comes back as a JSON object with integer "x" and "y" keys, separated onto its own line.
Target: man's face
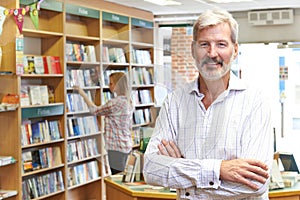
{"x": 214, "y": 51}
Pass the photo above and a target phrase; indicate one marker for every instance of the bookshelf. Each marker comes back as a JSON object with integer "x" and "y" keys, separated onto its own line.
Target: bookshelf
{"x": 42, "y": 121}
{"x": 8, "y": 122}
{"x": 142, "y": 73}
{"x": 45, "y": 62}
{"x": 84, "y": 135}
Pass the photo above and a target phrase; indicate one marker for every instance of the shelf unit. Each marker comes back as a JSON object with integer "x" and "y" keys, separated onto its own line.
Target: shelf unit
{"x": 142, "y": 73}
{"x": 9, "y": 121}
{"x": 10, "y": 175}
{"x": 63, "y": 24}
{"x": 43, "y": 160}
{"x": 83, "y": 64}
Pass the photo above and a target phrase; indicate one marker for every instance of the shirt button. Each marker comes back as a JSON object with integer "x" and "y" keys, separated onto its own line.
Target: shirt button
{"x": 187, "y": 194}
{"x": 211, "y": 183}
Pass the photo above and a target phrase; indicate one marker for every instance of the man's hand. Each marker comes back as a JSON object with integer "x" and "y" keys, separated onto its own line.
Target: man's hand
{"x": 243, "y": 171}
{"x": 169, "y": 149}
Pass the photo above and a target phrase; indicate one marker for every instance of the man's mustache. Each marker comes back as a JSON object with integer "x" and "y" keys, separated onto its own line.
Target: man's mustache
{"x": 212, "y": 60}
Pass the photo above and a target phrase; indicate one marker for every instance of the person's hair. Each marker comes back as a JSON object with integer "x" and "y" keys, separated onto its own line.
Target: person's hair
{"x": 215, "y": 17}
{"x": 121, "y": 83}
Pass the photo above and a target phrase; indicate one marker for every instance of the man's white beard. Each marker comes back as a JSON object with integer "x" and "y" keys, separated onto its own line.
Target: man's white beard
{"x": 214, "y": 74}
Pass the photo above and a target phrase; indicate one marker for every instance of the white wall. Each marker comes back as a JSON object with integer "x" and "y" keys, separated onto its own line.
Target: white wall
{"x": 260, "y": 67}
{"x": 269, "y": 33}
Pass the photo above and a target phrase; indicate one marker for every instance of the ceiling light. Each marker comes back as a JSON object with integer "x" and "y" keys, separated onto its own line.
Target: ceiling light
{"x": 164, "y": 2}
{"x": 229, "y": 1}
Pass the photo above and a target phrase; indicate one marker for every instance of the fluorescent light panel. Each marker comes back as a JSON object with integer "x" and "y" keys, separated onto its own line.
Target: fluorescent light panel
{"x": 229, "y": 1}
{"x": 164, "y": 2}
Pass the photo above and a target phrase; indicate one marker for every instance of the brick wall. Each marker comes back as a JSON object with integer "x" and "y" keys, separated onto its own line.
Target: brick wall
{"x": 183, "y": 68}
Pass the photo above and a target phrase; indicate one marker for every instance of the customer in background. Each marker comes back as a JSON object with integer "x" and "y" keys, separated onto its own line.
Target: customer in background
{"x": 118, "y": 120}
{"x": 213, "y": 137}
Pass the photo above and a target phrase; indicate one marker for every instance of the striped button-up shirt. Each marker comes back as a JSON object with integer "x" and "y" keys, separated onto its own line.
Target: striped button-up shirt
{"x": 236, "y": 125}
{"x": 118, "y": 123}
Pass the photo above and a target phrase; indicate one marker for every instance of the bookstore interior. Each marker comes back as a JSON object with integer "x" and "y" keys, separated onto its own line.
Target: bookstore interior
{"x": 52, "y": 147}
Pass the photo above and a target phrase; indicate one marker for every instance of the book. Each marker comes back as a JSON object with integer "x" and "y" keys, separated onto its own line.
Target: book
{"x": 36, "y": 162}
{"x": 69, "y": 52}
{"x": 38, "y": 64}
{"x": 36, "y": 133}
{"x": 130, "y": 168}
{"x": 90, "y": 53}
{"x": 52, "y": 64}
{"x": 27, "y": 124}
{"x": 44, "y": 94}
{"x": 24, "y": 96}
{"x": 24, "y": 140}
{"x": 43, "y": 158}
{"x": 5, "y": 160}
{"x": 138, "y": 169}
{"x": 105, "y": 54}
{"x": 29, "y": 65}
{"x": 55, "y": 129}
{"x": 56, "y": 159}
{"x": 35, "y": 94}
{"x": 27, "y": 161}
{"x": 7, "y": 193}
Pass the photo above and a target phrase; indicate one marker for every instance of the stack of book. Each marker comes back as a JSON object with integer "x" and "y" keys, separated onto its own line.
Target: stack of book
{"x": 6, "y": 160}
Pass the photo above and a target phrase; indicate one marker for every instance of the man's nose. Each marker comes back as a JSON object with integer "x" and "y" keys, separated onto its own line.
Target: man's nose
{"x": 212, "y": 51}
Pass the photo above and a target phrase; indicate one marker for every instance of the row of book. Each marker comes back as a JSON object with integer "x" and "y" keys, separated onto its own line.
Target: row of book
{"x": 42, "y": 185}
{"x": 141, "y": 97}
{"x": 41, "y": 158}
{"x": 80, "y": 149}
{"x": 142, "y": 57}
{"x": 135, "y": 135}
{"x": 40, "y": 131}
{"x": 142, "y": 76}
{"x": 34, "y": 64}
{"x": 80, "y": 52}
{"x": 75, "y": 102}
{"x": 134, "y": 167}
{"x": 36, "y": 95}
{"x": 138, "y": 96}
{"x": 106, "y": 96}
{"x": 139, "y": 135}
{"x": 141, "y": 116}
{"x": 82, "y": 77}
{"x": 83, "y": 173}
{"x": 113, "y": 55}
{"x": 6, "y": 160}
{"x": 79, "y": 126}
{"x": 7, "y": 193}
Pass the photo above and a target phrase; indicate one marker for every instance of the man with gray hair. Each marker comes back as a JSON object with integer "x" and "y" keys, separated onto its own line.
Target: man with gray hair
{"x": 213, "y": 137}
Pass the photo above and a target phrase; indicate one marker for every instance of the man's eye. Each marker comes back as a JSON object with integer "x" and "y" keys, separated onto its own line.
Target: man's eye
{"x": 222, "y": 44}
{"x": 203, "y": 45}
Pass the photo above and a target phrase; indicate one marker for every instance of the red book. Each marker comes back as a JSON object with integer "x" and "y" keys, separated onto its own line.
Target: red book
{"x": 57, "y": 64}
{"x": 46, "y": 69}
{"x": 52, "y": 63}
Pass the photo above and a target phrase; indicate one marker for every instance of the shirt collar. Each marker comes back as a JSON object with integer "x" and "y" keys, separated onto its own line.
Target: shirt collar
{"x": 235, "y": 83}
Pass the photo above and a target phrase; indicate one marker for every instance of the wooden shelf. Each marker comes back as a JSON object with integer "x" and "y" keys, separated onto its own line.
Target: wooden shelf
{"x": 40, "y": 34}
{"x": 61, "y": 23}
{"x": 35, "y": 172}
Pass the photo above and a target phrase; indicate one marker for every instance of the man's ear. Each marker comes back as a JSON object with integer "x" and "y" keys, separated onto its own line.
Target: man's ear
{"x": 236, "y": 50}
{"x": 193, "y": 49}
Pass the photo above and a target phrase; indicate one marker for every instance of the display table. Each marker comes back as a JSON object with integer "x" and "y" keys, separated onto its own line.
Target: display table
{"x": 291, "y": 193}
{"x": 116, "y": 190}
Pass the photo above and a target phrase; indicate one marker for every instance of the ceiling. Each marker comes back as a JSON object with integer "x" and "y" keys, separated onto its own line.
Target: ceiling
{"x": 194, "y": 7}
